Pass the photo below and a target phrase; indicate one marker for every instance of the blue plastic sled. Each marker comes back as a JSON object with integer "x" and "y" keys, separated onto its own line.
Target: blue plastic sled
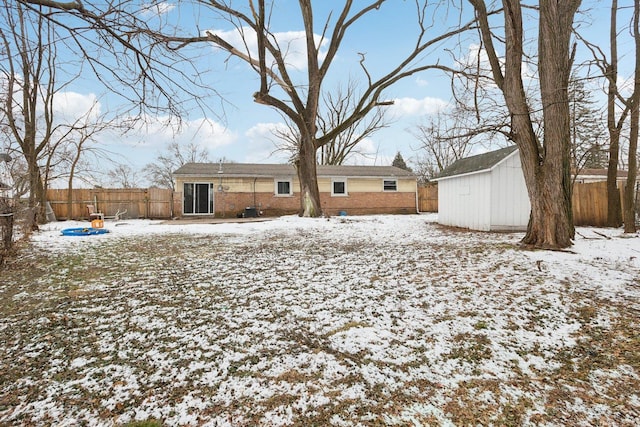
{"x": 83, "y": 231}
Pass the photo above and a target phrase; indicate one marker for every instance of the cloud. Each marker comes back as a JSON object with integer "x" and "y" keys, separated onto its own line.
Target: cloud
{"x": 67, "y": 107}
{"x": 367, "y": 152}
{"x": 403, "y": 107}
{"x": 263, "y": 144}
{"x": 150, "y": 135}
{"x": 72, "y": 106}
{"x": 420, "y": 82}
{"x": 476, "y": 55}
{"x": 625, "y": 85}
{"x": 157, "y": 9}
{"x": 292, "y": 44}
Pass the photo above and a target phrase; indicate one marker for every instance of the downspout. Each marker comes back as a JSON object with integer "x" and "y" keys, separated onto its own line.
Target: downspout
{"x": 254, "y": 192}
{"x": 417, "y": 199}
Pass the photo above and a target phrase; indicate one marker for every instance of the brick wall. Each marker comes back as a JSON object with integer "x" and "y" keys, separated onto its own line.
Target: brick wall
{"x": 228, "y": 204}
{"x": 369, "y": 203}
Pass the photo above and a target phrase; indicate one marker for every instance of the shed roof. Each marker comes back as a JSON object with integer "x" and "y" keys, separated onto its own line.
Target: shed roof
{"x": 477, "y": 163}
{"x": 274, "y": 170}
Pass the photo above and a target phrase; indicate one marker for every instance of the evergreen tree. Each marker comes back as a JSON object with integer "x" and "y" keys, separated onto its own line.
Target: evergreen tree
{"x": 588, "y": 130}
{"x": 399, "y": 162}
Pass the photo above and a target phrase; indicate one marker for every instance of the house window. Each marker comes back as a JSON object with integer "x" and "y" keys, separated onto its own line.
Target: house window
{"x": 390, "y": 185}
{"x": 283, "y": 187}
{"x": 338, "y": 187}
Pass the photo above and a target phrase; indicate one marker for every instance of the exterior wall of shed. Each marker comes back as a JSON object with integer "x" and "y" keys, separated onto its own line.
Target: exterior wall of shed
{"x": 492, "y": 200}
{"x": 465, "y": 201}
{"x": 364, "y": 195}
{"x": 510, "y": 206}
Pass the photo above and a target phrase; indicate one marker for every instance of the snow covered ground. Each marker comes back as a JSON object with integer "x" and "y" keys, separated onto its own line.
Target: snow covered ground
{"x": 373, "y": 320}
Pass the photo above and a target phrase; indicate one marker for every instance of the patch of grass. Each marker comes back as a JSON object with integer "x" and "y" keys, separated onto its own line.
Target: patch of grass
{"x": 480, "y": 325}
{"x": 147, "y": 423}
{"x": 472, "y": 348}
{"x": 586, "y": 313}
{"x": 349, "y": 325}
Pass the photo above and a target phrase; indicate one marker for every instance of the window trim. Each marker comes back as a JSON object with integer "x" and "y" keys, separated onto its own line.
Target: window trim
{"x": 276, "y": 192}
{"x": 384, "y": 186}
{"x": 342, "y": 180}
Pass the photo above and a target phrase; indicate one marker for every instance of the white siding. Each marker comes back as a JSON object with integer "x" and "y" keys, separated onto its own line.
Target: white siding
{"x": 464, "y": 201}
{"x": 491, "y": 200}
{"x": 510, "y": 205}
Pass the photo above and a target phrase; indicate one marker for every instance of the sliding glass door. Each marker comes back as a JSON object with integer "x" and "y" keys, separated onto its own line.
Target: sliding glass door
{"x": 198, "y": 198}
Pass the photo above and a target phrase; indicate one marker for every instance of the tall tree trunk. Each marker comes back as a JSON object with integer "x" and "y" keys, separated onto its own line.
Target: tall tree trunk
{"x": 37, "y": 196}
{"x": 551, "y": 213}
{"x": 614, "y": 210}
{"x": 546, "y": 166}
{"x": 308, "y": 177}
{"x": 72, "y": 172}
{"x": 629, "y": 214}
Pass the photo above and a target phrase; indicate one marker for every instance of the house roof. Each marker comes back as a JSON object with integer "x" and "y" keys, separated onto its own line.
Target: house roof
{"x": 274, "y": 170}
{"x": 478, "y": 163}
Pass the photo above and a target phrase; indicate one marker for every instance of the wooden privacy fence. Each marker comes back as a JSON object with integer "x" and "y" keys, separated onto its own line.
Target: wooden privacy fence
{"x": 135, "y": 202}
{"x": 428, "y": 198}
{"x": 589, "y": 202}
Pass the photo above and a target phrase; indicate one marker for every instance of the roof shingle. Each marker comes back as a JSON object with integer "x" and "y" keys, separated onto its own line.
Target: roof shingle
{"x": 477, "y": 163}
{"x": 273, "y": 170}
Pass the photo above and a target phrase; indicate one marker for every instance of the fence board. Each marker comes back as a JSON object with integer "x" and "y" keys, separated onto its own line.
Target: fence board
{"x": 428, "y": 198}
{"x": 590, "y": 203}
{"x": 137, "y": 202}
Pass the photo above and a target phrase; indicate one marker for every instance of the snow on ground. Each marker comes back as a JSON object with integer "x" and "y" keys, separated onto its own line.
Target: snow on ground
{"x": 373, "y": 320}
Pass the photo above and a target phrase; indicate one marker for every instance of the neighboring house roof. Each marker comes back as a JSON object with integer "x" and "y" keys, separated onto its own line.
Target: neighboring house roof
{"x": 275, "y": 170}
{"x": 599, "y": 173}
{"x": 478, "y": 163}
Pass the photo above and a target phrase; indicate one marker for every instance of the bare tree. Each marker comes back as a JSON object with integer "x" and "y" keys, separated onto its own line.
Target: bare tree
{"x": 299, "y": 101}
{"x": 30, "y": 85}
{"x": 628, "y": 214}
{"x": 440, "y": 145}
{"x": 452, "y": 133}
{"x": 123, "y": 176}
{"x": 281, "y": 86}
{"x": 338, "y": 107}
{"x": 545, "y": 161}
{"x": 115, "y": 40}
{"x": 335, "y": 108}
{"x": 7, "y": 207}
{"x": 77, "y": 148}
{"x": 160, "y": 171}
{"x": 618, "y": 109}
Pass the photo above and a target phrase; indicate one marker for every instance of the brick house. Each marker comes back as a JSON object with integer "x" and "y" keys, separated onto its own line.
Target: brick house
{"x": 229, "y": 189}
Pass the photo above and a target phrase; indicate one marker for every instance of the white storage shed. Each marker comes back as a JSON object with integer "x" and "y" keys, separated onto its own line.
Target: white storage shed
{"x": 486, "y": 192}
